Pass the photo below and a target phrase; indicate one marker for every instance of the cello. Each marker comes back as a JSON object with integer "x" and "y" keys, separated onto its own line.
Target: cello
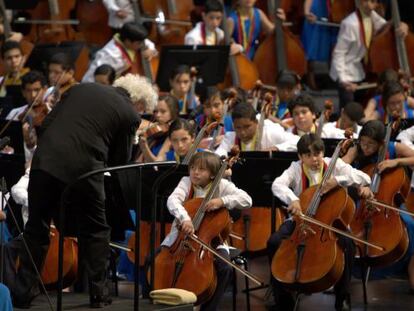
{"x": 389, "y": 50}
{"x": 185, "y": 261}
{"x": 311, "y": 260}
{"x": 378, "y": 224}
{"x": 279, "y": 52}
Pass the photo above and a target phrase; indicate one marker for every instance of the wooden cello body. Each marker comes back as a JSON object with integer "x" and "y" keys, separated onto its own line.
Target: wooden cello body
{"x": 341, "y": 9}
{"x": 388, "y": 50}
{"x": 280, "y": 51}
{"x": 385, "y": 226}
{"x": 323, "y": 260}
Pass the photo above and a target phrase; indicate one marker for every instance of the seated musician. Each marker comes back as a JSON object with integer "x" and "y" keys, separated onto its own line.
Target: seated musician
{"x": 213, "y": 109}
{"x": 104, "y": 74}
{"x": 121, "y": 52}
{"x": 246, "y": 24}
{"x": 181, "y": 134}
{"x": 306, "y": 172}
{"x": 288, "y": 86}
{"x": 180, "y": 83}
{"x": 33, "y": 86}
{"x": 208, "y": 31}
{"x": 119, "y": 13}
{"x": 350, "y": 53}
{"x": 154, "y": 147}
{"x": 393, "y": 102}
{"x": 245, "y": 133}
{"x": 203, "y": 168}
{"x": 303, "y": 111}
{"x": 350, "y": 118}
{"x": 14, "y": 69}
{"x": 371, "y": 142}
{"x": 61, "y": 70}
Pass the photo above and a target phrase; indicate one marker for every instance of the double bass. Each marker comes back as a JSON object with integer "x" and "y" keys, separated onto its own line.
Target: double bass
{"x": 279, "y": 52}
{"x": 389, "y": 50}
{"x": 378, "y": 224}
{"x": 185, "y": 264}
{"x": 311, "y": 260}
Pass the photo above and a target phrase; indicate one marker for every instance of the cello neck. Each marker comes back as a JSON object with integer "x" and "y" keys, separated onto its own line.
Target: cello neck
{"x": 227, "y": 40}
{"x": 53, "y": 8}
{"x": 399, "y": 41}
{"x": 279, "y": 40}
{"x": 376, "y": 177}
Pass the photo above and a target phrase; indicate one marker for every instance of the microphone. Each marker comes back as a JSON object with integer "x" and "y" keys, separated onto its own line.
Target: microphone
{"x": 4, "y": 141}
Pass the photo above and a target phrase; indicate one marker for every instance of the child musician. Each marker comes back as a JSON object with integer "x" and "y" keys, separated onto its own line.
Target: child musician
{"x": 306, "y": 172}
{"x": 350, "y": 53}
{"x": 246, "y": 131}
{"x": 181, "y": 134}
{"x": 203, "y": 168}
{"x": 350, "y": 118}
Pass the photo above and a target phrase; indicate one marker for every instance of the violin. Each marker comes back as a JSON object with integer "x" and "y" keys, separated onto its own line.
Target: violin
{"x": 185, "y": 261}
{"x": 311, "y": 260}
{"x": 380, "y": 225}
{"x": 156, "y": 130}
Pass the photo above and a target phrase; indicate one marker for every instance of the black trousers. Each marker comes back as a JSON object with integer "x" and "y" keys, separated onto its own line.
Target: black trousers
{"x": 86, "y": 216}
{"x": 284, "y": 298}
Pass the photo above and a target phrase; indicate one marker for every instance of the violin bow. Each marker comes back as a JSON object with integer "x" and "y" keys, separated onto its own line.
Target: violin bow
{"x": 348, "y": 235}
{"x": 393, "y": 208}
{"x": 214, "y": 252}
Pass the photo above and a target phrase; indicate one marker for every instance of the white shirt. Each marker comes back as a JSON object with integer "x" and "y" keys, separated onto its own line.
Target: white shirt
{"x": 232, "y": 197}
{"x": 350, "y": 50}
{"x": 112, "y": 55}
{"x": 20, "y": 194}
{"x": 288, "y": 186}
{"x": 273, "y": 136}
{"x": 330, "y": 130}
{"x": 113, "y": 6}
{"x": 407, "y": 137}
{"x": 195, "y": 37}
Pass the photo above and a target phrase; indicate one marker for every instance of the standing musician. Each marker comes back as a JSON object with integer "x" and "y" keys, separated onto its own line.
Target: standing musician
{"x": 208, "y": 31}
{"x": 246, "y": 23}
{"x": 371, "y": 142}
{"x": 121, "y": 52}
{"x": 13, "y": 59}
{"x": 119, "y": 13}
{"x": 92, "y": 127}
{"x": 246, "y": 132}
{"x": 306, "y": 172}
{"x": 203, "y": 168}
{"x": 351, "y": 51}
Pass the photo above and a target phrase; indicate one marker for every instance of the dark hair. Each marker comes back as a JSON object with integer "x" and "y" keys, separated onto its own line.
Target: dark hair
{"x": 181, "y": 124}
{"x": 172, "y": 104}
{"x": 106, "y": 70}
{"x": 373, "y": 129}
{"x": 10, "y": 45}
{"x": 391, "y": 88}
{"x": 303, "y": 100}
{"x": 387, "y": 75}
{"x": 354, "y": 111}
{"x": 64, "y": 60}
{"x": 206, "y": 159}
{"x": 32, "y": 77}
{"x": 244, "y": 111}
{"x": 133, "y": 32}
{"x": 213, "y": 6}
{"x": 310, "y": 143}
{"x": 212, "y": 96}
{"x": 179, "y": 70}
{"x": 241, "y": 95}
{"x": 287, "y": 79}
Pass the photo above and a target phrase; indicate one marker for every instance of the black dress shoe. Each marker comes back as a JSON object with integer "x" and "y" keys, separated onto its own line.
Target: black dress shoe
{"x": 99, "y": 301}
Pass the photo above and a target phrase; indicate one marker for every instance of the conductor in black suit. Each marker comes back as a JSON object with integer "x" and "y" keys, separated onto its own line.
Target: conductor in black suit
{"x": 92, "y": 127}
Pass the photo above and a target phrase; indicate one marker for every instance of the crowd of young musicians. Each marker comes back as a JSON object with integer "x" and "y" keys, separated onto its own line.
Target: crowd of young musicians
{"x": 285, "y": 120}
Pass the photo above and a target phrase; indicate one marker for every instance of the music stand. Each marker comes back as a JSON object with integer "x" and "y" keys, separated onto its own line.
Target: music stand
{"x": 20, "y": 5}
{"x": 210, "y": 62}
{"x": 330, "y": 145}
